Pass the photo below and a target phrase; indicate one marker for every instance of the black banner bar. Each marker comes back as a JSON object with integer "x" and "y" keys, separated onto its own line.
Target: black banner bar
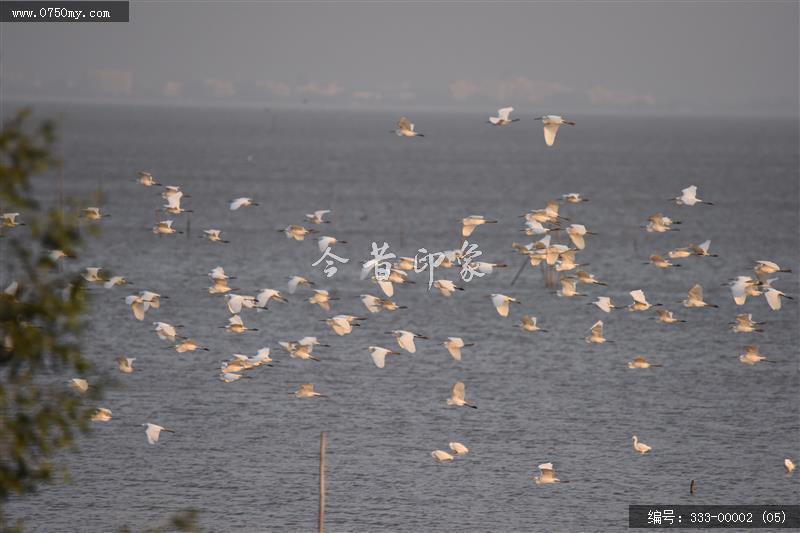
{"x": 77, "y": 11}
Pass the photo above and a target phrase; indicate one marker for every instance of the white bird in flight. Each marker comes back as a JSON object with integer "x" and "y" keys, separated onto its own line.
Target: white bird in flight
{"x": 502, "y": 117}
{"x": 547, "y": 475}
{"x": 596, "y": 334}
{"x": 125, "y": 364}
{"x": 241, "y": 202}
{"x": 404, "y": 128}
{"x": 379, "y": 354}
{"x": 405, "y": 339}
{"x": 751, "y": 356}
{"x": 551, "y": 124}
{"x": 773, "y": 297}
{"x": 457, "y": 396}
{"x": 689, "y": 197}
{"x": 695, "y": 298}
{"x": 298, "y": 281}
{"x": 454, "y": 345}
{"x": 500, "y": 302}
{"x": 306, "y": 390}
{"x": 316, "y": 217}
{"x": 641, "y": 362}
{"x": 153, "y": 431}
{"x": 529, "y": 323}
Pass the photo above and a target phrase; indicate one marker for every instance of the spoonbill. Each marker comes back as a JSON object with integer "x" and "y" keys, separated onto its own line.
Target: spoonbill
{"x": 604, "y": 304}
{"x": 745, "y": 324}
{"x": 529, "y": 323}
{"x": 751, "y": 356}
{"x": 125, "y": 364}
{"x": 695, "y": 298}
{"x": 446, "y": 287}
{"x": 214, "y": 235}
{"x": 773, "y": 297}
{"x": 101, "y": 414}
{"x": 146, "y": 179}
{"x": 298, "y": 281}
{"x": 458, "y": 448}
{"x": 596, "y": 334}
{"x": 468, "y": 224}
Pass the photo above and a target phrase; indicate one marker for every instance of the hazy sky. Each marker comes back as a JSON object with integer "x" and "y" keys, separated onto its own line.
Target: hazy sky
{"x": 718, "y": 58}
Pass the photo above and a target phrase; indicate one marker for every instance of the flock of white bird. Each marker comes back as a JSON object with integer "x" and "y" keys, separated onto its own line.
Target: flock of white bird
{"x": 556, "y": 260}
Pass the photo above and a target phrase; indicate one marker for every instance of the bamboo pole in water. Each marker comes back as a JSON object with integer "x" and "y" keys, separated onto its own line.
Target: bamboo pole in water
{"x": 323, "y": 441}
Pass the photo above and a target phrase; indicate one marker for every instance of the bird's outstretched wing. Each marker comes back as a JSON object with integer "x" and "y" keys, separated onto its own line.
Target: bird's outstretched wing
{"x": 550, "y": 131}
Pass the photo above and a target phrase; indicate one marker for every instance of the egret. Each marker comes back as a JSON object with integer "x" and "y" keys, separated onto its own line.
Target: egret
{"x": 569, "y": 288}
{"x": 342, "y": 324}
{"x": 458, "y": 448}
{"x": 241, "y": 202}
{"x": 125, "y": 364}
{"x": 298, "y": 233}
{"x": 138, "y": 305}
{"x": 773, "y": 297}
{"x": 327, "y": 241}
{"x": 500, "y": 302}
{"x": 659, "y": 262}
{"x": 573, "y": 198}
{"x": 441, "y": 456}
{"x": 214, "y": 235}
{"x": 689, "y": 197}
{"x": 745, "y": 324}
{"x": 267, "y": 295}
{"x": 576, "y": 233}
{"x": 587, "y": 279}
{"x": 551, "y": 124}
{"x": 695, "y": 298}
{"x": 101, "y": 414}
{"x": 165, "y": 331}
{"x": 235, "y": 325}
{"x": 502, "y": 117}
{"x": 316, "y": 217}
{"x": 10, "y": 220}
{"x": 547, "y": 475}
{"x": 92, "y": 275}
{"x": 404, "y": 128}
{"x": 321, "y": 298}
{"x": 296, "y": 281}
{"x": 641, "y": 362}
{"x": 666, "y": 317}
{"x": 751, "y": 356}
{"x": 457, "y": 396}
{"x": 173, "y": 205}
{"x": 236, "y": 302}
{"x": 658, "y": 223}
{"x": 788, "y": 465}
{"x": 153, "y": 431}
{"x": 188, "y": 345}
{"x": 146, "y": 179}
{"x": 640, "y": 302}
{"x": 528, "y": 323}
{"x": 299, "y": 351}
{"x": 764, "y": 269}
{"x": 93, "y": 214}
{"x": 702, "y": 249}
{"x": 306, "y": 390}
{"x": 454, "y": 345}
{"x": 640, "y": 447}
{"x": 446, "y": 287}
{"x": 405, "y": 339}
{"x": 596, "y": 334}
{"x": 165, "y": 228}
{"x": 604, "y": 304}
{"x": 80, "y": 385}
{"x": 379, "y": 354}
{"x": 376, "y": 305}
{"x": 742, "y": 287}
{"x": 468, "y": 224}
{"x": 229, "y": 377}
